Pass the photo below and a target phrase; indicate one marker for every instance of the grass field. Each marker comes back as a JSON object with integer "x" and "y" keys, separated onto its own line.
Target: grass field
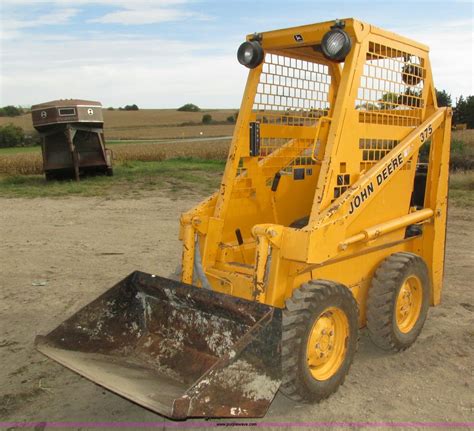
{"x": 461, "y": 189}
{"x": 131, "y": 178}
{"x": 151, "y": 123}
{"x": 142, "y": 164}
{"x": 174, "y": 176}
{"x": 30, "y": 162}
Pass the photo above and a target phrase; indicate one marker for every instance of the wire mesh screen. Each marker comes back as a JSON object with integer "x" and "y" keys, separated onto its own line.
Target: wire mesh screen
{"x": 391, "y": 87}
{"x": 292, "y": 91}
{"x": 373, "y": 150}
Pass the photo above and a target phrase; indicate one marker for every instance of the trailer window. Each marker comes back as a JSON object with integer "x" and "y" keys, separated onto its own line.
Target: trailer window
{"x": 67, "y": 111}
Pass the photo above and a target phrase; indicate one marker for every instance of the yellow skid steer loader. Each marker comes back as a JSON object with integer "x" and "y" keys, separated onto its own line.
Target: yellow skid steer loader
{"x": 331, "y": 216}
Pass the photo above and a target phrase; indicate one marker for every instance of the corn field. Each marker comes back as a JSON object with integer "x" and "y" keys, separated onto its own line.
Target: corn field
{"x": 31, "y": 163}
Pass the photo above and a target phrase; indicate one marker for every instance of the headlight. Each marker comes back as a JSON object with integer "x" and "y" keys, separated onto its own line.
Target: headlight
{"x": 250, "y": 54}
{"x": 336, "y": 44}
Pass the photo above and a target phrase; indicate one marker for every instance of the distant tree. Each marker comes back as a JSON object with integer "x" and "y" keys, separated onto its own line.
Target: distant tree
{"x": 233, "y": 118}
{"x": 110, "y": 108}
{"x": 367, "y": 106}
{"x": 10, "y": 111}
{"x": 11, "y": 136}
{"x": 207, "y": 119}
{"x": 131, "y": 107}
{"x": 443, "y": 98}
{"x": 189, "y": 107}
{"x": 388, "y": 101}
{"x": 32, "y": 139}
{"x": 464, "y": 111}
{"x": 411, "y": 97}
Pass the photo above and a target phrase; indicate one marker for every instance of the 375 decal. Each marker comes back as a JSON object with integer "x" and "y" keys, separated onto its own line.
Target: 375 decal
{"x": 425, "y": 134}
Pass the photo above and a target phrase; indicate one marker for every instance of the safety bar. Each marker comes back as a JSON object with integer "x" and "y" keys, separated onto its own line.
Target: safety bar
{"x": 387, "y": 227}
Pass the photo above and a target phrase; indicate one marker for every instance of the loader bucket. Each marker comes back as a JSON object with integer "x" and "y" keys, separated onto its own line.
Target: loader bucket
{"x": 176, "y": 349}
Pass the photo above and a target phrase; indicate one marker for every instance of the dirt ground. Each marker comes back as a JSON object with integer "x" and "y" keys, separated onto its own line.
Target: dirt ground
{"x": 58, "y": 254}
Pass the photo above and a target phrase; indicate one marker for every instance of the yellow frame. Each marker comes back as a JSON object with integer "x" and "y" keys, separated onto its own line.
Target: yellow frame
{"x": 346, "y": 238}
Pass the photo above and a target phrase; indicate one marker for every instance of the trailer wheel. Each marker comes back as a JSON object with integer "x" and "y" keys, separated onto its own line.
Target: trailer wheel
{"x": 398, "y": 301}
{"x": 319, "y": 340}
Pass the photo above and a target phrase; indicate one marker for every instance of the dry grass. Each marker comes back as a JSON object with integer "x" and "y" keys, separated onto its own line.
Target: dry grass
{"x": 461, "y": 189}
{"x": 214, "y": 150}
{"x": 167, "y": 132}
{"x": 150, "y": 123}
{"x": 462, "y": 181}
{"x": 160, "y": 117}
{"x": 31, "y": 163}
{"x": 466, "y": 136}
{"x": 21, "y": 164}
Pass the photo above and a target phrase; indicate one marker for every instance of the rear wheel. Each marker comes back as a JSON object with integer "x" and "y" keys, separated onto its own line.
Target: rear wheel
{"x": 320, "y": 333}
{"x": 398, "y": 301}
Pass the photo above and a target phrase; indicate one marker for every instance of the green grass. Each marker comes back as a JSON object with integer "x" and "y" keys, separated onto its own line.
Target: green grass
{"x": 131, "y": 179}
{"x": 17, "y": 150}
{"x": 174, "y": 176}
{"x": 461, "y": 189}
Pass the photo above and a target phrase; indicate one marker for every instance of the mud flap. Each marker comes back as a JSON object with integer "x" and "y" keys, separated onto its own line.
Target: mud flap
{"x": 174, "y": 348}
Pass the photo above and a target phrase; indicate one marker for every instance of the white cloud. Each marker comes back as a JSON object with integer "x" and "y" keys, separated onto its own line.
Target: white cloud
{"x": 145, "y": 15}
{"x": 156, "y": 72}
{"x": 127, "y": 12}
{"x": 11, "y": 26}
{"x": 451, "y": 54}
{"x": 149, "y": 72}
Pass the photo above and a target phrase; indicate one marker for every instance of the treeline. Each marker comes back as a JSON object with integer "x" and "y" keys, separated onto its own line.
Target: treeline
{"x": 13, "y": 111}
{"x": 133, "y": 107}
{"x": 463, "y": 112}
{"x": 207, "y": 118}
{"x": 14, "y": 136}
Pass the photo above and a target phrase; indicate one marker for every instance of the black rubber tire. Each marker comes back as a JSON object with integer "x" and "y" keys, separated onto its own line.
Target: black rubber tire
{"x": 302, "y": 309}
{"x": 109, "y": 172}
{"x": 382, "y": 298}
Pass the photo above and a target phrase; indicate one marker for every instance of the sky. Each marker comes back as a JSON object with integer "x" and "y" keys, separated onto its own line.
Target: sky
{"x": 164, "y": 53}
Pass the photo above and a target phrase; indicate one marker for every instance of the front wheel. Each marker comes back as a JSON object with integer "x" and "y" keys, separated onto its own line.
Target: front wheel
{"x": 319, "y": 340}
{"x": 398, "y": 301}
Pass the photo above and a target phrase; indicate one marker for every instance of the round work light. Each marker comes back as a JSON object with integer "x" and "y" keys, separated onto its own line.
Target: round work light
{"x": 250, "y": 54}
{"x": 336, "y": 44}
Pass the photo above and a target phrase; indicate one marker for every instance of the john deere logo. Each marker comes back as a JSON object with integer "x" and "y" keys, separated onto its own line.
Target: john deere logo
{"x": 44, "y": 114}
{"x": 90, "y": 111}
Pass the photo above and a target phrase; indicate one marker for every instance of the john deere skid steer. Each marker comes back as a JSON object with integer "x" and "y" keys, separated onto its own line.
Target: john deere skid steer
{"x": 328, "y": 219}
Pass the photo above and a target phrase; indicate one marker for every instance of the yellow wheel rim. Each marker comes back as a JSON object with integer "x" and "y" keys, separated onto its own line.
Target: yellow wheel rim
{"x": 408, "y": 307}
{"x": 327, "y": 343}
